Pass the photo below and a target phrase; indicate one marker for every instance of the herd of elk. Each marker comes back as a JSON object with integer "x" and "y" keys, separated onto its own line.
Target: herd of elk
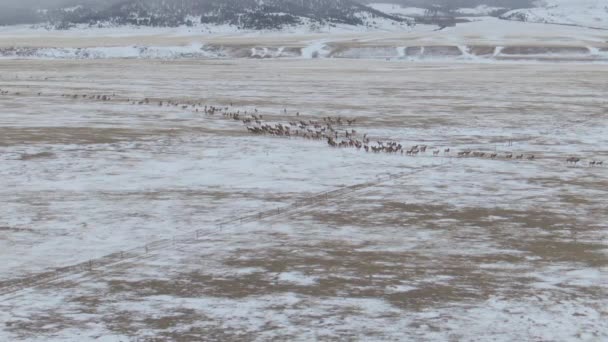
{"x": 327, "y": 131}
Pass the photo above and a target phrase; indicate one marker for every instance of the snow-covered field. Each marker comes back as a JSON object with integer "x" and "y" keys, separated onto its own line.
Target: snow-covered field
{"x": 454, "y": 248}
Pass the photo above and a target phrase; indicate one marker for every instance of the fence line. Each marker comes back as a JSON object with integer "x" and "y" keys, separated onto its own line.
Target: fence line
{"x": 15, "y": 285}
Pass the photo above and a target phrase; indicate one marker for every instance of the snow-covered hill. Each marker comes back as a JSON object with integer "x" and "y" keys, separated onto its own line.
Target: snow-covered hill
{"x": 588, "y": 13}
{"x": 242, "y": 14}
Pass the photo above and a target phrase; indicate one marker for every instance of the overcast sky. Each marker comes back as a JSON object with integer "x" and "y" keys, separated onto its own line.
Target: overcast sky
{"x": 28, "y": 3}
{"x": 43, "y": 3}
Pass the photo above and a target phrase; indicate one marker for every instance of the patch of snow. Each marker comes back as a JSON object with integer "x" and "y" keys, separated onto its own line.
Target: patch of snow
{"x": 398, "y": 10}
{"x": 316, "y": 49}
{"x": 297, "y": 278}
{"x": 72, "y": 9}
{"x": 481, "y": 10}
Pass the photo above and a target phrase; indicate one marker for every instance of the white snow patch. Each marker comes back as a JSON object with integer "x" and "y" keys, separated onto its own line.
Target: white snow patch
{"x": 398, "y": 10}
{"x": 297, "y": 278}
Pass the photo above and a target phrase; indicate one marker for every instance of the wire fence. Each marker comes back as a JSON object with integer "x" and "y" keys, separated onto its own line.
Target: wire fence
{"x": 14, "y": 285}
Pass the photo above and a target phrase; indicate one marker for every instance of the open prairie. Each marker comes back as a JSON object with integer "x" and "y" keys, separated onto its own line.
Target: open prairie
{"x": 180, "y": 223}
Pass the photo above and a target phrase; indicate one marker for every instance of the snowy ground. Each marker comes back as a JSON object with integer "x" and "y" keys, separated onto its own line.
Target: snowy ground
{"x": 485, "y": 39}
{"x": 453, "y": 249}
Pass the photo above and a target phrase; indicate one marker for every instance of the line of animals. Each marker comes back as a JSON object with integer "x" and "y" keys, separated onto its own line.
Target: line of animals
{"x": 592, "y": 163}
{"x": 329, "y": 128}
{"x": 326, "y": 130}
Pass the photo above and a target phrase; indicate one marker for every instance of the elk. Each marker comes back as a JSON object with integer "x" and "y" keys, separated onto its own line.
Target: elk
{"x": 573, "y": 160}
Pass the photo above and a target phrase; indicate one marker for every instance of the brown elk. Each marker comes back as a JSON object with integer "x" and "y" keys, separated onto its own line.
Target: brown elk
{"x": 573, "y": 160}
